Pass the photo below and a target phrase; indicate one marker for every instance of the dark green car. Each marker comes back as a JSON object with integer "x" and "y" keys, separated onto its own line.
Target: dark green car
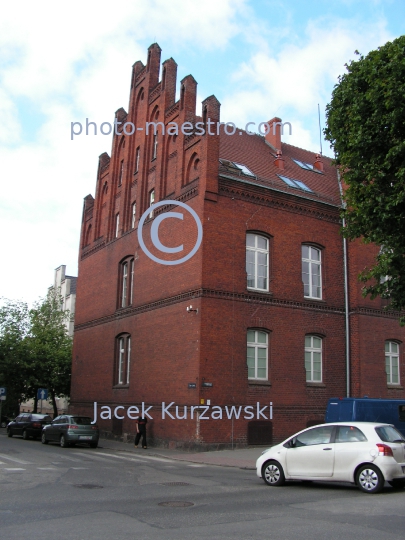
{"x": 67, "y": 430}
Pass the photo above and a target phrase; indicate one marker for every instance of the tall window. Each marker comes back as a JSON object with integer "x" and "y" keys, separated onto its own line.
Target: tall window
{"x": 151, "y": 201}
{"x": 311, "y": 272}
{"x": 126, "y": 283}
{"x": 121, "y": 172}
{"x": 392, "y": 362}
{"x": 313, "y": 358}
{"x": 257, "y": 354}
{"x": 137, "y": 158}
{"x": 128, "y": 357}
{"x": 257, "y": 262}
{"x": 117, "y": 225}
{"x": 123, "y": 359}
{"x": 155, "y": 145}
{"x": 133, "y": 215}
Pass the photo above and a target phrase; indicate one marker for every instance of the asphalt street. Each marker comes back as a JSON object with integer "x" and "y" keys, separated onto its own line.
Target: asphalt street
{"x": 111, "y": 493}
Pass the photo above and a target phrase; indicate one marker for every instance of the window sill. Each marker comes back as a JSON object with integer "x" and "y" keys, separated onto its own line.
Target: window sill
{"x": 310, "y": 299}
{"x": 120, "y": 386}
{"x": 316, "y": 384}
{"x": 395, "y": 386}
{"x": 258, "y": 291}
{"x": 256, "y": 382}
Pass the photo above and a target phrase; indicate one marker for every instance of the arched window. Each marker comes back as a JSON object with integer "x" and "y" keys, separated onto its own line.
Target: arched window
{"x": 257, "y": 262}
{"x": 87, "y": 239}
{"x": 126, "y": 282}
{"x": 312, "y": 272}
{"x": 257, "y": 354}
{"x": 123, "y": 359}
{"x": 313, "y": 358}
{"x": 392, "y": 362}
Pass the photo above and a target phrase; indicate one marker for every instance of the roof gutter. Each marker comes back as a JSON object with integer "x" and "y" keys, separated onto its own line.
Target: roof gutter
{"x": 346, "y": 285}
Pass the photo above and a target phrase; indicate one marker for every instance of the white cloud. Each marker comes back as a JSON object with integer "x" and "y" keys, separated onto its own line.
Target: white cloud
{"x": 291, "y": 82}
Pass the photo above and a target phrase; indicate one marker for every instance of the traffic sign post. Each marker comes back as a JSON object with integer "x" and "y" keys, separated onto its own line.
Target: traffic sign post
{"x": 3, "y": 394}
{"x": 42, "y": 394}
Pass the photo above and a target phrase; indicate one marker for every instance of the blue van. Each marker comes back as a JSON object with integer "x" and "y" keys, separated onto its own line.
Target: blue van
{"x": 389, "y": 411}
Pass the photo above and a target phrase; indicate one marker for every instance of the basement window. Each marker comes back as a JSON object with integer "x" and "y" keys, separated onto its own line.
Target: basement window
{"x": 238, "y": 167}
{"x": 294, "y": 183}
{"x": 306, "y": 166}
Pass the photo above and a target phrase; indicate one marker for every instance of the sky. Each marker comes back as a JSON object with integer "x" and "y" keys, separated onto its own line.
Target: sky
{"x": 63, "y": 62}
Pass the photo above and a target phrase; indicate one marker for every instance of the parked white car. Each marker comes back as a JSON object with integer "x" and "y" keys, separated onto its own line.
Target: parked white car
{"x": 364, "y": 453}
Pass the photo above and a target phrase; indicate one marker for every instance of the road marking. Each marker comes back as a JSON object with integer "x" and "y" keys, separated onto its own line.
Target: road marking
{"x": 79, "y": 468}
{"x": 153, "y": 458}
{"x": 15, "y": 460}
{"x": 14, "y": 469}
{"x": 47, "y": 468}
{"x": 113, "y": 456}
{"x": 194, "y": 465}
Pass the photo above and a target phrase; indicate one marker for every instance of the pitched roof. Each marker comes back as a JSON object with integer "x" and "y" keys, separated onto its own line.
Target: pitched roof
{"x": 255, "y": 153}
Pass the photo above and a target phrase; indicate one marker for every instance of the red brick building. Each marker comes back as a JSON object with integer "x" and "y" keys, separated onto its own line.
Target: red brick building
{"x": 267, "y": 285}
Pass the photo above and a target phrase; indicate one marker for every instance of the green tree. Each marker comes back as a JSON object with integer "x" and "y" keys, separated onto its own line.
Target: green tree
{"x": 51, "y": 346}
{"x": 366, "y": 129}
{"x": 15, "y": 368}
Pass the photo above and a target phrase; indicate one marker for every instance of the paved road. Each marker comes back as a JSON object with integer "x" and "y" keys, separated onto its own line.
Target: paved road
{"x": 51, "y": 493}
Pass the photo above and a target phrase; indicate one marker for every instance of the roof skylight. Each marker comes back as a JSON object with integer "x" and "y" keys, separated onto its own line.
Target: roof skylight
{"x": 306, "y": 166}
{"x": 294, "y": 183}
{"x": 239, "y": 166}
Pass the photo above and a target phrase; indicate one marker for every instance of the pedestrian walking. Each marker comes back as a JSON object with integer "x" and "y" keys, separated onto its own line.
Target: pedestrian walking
{"x": 141, "y": 432}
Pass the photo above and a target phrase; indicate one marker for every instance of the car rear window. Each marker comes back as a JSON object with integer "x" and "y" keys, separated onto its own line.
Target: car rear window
{"x": 81, "y": 420}
{"x": 389, "y": 434}
{"x": 43, "y": 417}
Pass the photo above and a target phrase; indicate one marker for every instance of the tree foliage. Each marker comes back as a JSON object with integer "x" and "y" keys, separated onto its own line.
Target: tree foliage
{"x": 35, "y": 348}
{"x": 366, "y": 128}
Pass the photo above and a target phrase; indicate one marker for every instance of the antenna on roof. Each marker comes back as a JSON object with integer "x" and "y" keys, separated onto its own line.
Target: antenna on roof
{"x": 319, "y": 122}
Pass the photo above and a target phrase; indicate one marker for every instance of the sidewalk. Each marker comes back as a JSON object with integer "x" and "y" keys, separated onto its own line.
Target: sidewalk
{"x": 244, "y": 458}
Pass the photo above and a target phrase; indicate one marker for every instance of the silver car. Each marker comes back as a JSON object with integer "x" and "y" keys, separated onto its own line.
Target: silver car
{"x": 364, "y": 453}
{"x": 71, "y": 429}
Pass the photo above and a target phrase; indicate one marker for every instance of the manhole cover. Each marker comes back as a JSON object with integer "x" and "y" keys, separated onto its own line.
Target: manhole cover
{"x": 175, "y": 484}
{"x": 88, "y": 486}
{"x": 176, "y": 504}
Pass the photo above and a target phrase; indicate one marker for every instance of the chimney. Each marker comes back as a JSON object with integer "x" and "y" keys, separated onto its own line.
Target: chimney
{"x": 279, "y": 161}
{"x": 273, "y": 136}
{"x": 318, "y": 163}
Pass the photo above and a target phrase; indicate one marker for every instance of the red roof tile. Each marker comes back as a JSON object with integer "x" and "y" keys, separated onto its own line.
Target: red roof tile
{"x": 254, "y": 152}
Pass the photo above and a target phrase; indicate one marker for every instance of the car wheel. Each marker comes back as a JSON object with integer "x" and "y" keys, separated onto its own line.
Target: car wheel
{"x": 93, "y": 444}
{"x": 63, "y": 442}
{"x": 369, "y": 479}
{"x": 25, "y": 435}
{"x": 397, "y": 484}
{"x": 43, "y": 439}
{"x": 9, "y": 434}
{"x": 273, "y": 474}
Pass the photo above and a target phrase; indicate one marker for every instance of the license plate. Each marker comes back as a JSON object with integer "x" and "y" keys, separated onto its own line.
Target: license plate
{"x": 84, "y": 437}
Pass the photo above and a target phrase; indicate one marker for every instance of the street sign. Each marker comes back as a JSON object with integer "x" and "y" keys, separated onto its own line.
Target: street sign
{"x": 42, "y": 393}
{"x": 3, "y": 393}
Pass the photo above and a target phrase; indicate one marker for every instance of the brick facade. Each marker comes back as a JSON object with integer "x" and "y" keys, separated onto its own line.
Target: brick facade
{"x": 172, "y": 347}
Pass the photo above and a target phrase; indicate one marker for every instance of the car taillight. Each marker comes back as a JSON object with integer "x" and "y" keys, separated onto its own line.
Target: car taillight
{"x": 70, "y": 426}
{"x": 94, "y": 427}
{"x": 384, "y": 450}
{"x": 36, "y": 424}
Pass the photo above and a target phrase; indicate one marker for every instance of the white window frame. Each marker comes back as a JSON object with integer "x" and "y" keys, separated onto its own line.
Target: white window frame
{"x": 390, "y": 355}
{"x": 311, "y": 350}
{"x": 256, "y": 250}
{"x": 124, "y": 284}
{"x": 133, "y": 215}
{"x": 128, "y": 357}
{"x": 121, "y": 356}
{"x": 311, "y": 263}
{"x": 256, "y": 345}
{"x": 155, "y": 145}
{"x": 151, "y": 200}
{"x": 117, "y": 225}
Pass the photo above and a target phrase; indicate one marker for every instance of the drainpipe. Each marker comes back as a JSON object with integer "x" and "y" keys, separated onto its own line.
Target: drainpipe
{"x": 347, "y": 322}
